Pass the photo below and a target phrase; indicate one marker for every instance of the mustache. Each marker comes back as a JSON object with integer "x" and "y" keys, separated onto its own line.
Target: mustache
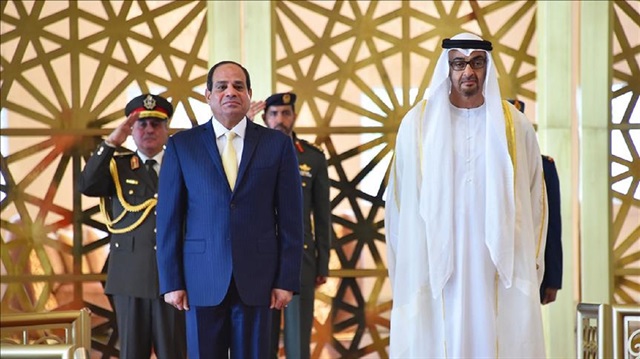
{"x": 471, "y": 77}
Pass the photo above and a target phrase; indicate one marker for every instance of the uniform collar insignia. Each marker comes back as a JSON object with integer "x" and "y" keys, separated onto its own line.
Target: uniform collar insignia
{"x": 305, "y": 167}
{"x": 135, "y": 162}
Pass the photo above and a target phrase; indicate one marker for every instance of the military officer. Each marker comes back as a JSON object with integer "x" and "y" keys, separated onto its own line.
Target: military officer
{"x": 280, "y": 114}
{"x": 552, "y": 280}
{"x": 128, "y": 185}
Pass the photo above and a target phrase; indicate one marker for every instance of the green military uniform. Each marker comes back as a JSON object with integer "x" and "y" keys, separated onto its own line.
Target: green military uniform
{"x": 128, "y": 194}
{"x": 315, "y": 261}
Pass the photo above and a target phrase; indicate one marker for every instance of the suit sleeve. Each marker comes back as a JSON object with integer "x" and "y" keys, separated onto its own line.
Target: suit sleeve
{"x": 553, "y": 251}
{"x": 322, "y": 217}
{"x": 95, "y": 179}
{"x": 290, "y": 225}
{"x": 171, "y": 211}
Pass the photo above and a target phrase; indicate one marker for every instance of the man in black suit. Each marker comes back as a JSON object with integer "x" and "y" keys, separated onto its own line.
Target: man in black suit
{"x": 129, "y": 182}
{"x": 552, "y": 280}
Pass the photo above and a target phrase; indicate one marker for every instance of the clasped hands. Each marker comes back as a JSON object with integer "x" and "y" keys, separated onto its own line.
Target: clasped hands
{"x": 280, "y": 298}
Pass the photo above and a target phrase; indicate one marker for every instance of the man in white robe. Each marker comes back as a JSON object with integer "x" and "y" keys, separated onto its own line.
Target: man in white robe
{"x": 466, "y": 218}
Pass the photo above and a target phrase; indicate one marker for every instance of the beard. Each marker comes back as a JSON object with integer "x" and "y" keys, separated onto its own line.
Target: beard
{"x": 467, "y": 91}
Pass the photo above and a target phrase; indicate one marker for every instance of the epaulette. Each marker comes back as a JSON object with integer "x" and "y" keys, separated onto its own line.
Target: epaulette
{"x": 312, "y": 145}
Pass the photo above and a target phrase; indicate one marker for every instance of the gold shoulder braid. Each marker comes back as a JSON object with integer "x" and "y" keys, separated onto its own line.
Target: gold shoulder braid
{"x": 511, "y": 142}
{"x": 146, "y": 206}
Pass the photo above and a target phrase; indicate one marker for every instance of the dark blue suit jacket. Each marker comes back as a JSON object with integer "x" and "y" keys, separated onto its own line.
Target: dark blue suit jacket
{"x": 207, "y": 233}
{"x": 553, "y": 252}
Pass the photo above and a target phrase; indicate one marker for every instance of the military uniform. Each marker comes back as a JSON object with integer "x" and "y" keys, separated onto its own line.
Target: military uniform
{"x": 128, "y": 194}
{"x": 553, "y": 252}
{"x": 298, "y": 316}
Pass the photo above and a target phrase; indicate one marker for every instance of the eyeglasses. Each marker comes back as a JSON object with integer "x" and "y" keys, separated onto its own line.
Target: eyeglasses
{"x": 476, "y": 63}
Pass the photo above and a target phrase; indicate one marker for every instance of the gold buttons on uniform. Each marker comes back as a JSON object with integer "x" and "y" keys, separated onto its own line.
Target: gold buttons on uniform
{"x": 117, "y": 245}
{"x": 155, "y": 195}
{"x": 306, "y": 246}
{"x": 130, "y": 191}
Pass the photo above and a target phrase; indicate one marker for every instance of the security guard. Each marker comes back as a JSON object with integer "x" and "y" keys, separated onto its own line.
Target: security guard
{"x": 280, "y": 114}
{"x": 552, "y": 280}
{"x": 128, "y": 185}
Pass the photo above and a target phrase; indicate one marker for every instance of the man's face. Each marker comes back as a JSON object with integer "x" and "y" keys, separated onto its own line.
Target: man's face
{"x": 150, "y": 135}
{"x": 281, "y": 118}
{"x": 468, "y": 81}
{"x": 229, "y": 97}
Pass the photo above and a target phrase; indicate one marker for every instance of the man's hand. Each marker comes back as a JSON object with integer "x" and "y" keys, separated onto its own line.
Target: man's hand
{"x": 254, "y": 109}
{"x": 120, "y": 134}
{"x": 549, "y": 295}
{"x": 178, "y": 299}
{"x": 320, "y": 280}
{"x": 280, "y": 298}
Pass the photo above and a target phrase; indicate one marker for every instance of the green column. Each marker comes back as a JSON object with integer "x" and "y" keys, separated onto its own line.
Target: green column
{"x": 595, "y": 84}
{"x": 241, "y": 31}
{"x": 556, "y": 114}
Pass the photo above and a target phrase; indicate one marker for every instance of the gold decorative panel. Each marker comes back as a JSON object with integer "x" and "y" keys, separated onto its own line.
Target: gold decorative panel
{"x": 358, "y": 67}
{"x": 625, "y": 151}
{"x": 68, "y": 69}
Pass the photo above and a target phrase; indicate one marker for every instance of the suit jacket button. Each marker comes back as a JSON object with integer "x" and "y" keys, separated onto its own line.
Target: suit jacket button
{"x": 233, "y": 206}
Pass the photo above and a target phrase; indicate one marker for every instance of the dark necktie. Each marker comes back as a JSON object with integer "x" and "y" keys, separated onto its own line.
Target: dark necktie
{"x": 152, "y": 172}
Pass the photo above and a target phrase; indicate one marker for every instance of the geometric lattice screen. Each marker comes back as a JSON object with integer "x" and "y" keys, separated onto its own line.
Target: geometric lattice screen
{"x": 625, "y": 151}
{"x": 68, "y": 69}
{"x": 357, "y": 68}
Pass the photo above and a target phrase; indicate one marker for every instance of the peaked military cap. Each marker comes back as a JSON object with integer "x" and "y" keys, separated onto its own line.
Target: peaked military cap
{"x": 150, "y": 106}
{"x": 281, "y": 99}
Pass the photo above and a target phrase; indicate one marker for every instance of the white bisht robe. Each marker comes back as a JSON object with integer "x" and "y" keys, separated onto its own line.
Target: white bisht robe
{"x": 466, "y": 285}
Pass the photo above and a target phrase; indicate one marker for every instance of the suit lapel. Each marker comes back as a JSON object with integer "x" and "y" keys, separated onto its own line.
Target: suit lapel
{"x": 252, "y": 136}
{"x": 208, "y": 137}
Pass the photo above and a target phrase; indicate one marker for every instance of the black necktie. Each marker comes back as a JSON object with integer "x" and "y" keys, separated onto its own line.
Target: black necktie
{"x": 152, "y": 172}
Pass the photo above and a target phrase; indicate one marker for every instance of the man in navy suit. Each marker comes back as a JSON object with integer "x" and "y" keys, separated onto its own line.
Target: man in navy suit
{"x": 552, "y": 280}
{"x": 230, "y": 227}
